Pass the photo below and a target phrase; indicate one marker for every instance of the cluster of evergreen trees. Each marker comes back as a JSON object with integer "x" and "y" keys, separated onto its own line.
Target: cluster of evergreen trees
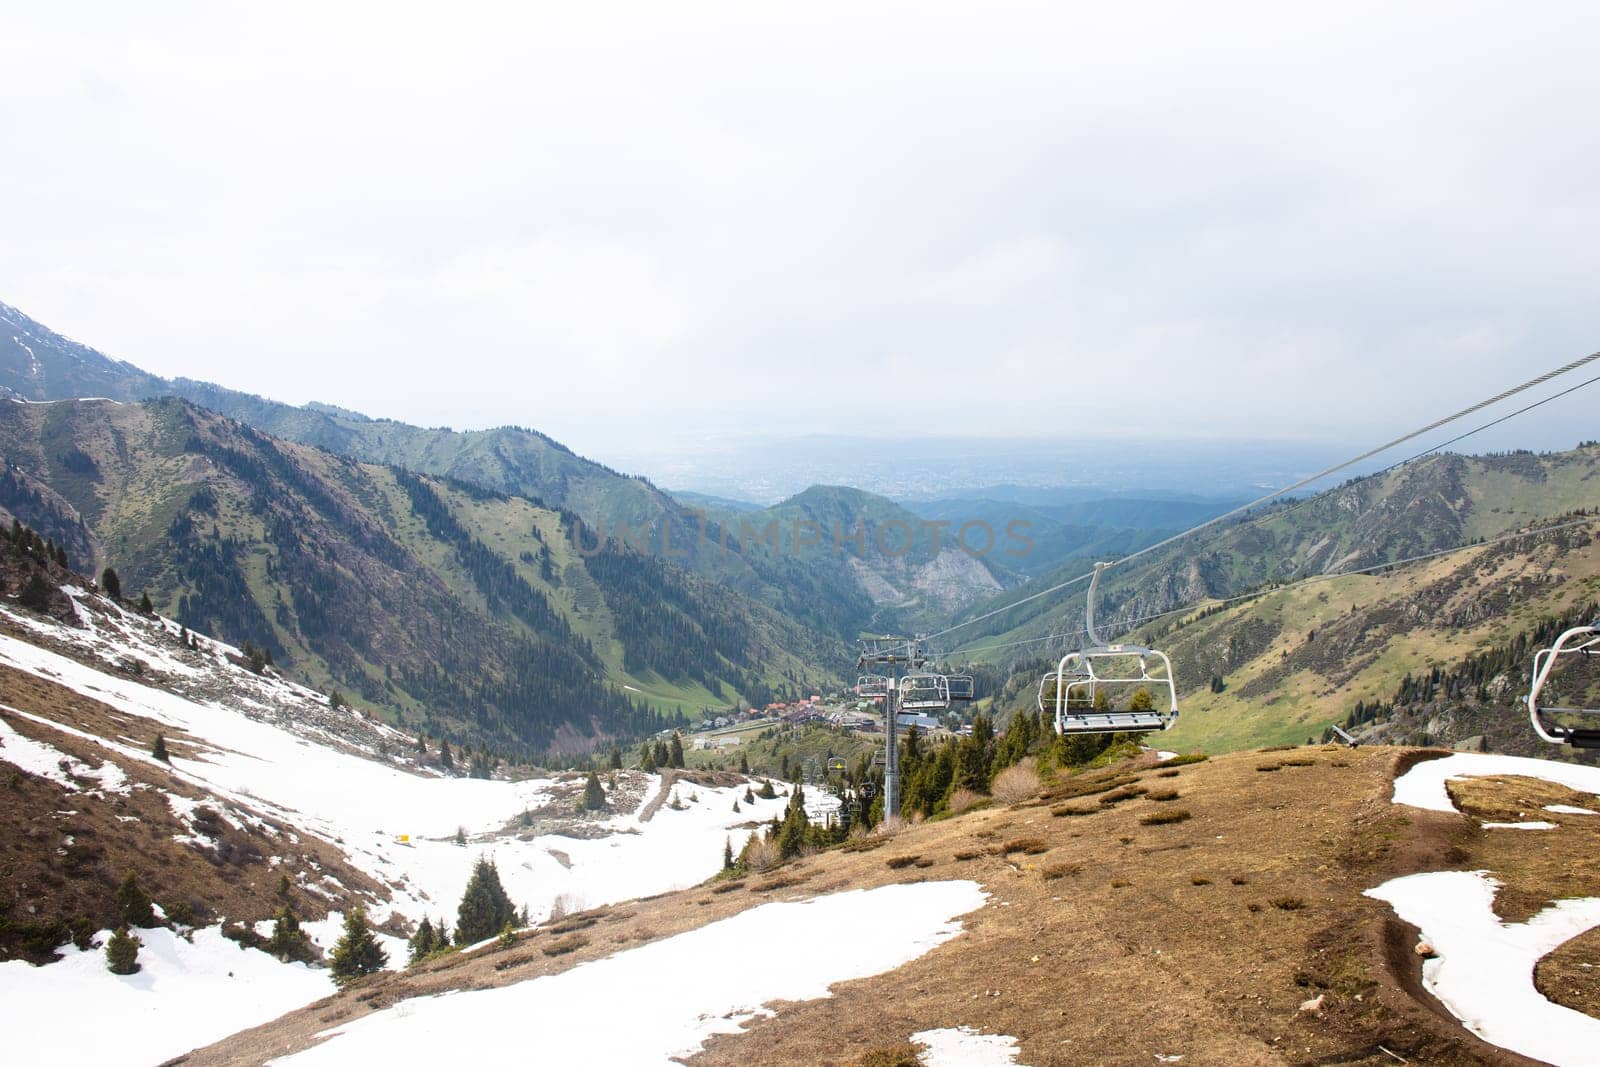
{"x": 661, "y": 754}
{"x": 1470, "y": 679}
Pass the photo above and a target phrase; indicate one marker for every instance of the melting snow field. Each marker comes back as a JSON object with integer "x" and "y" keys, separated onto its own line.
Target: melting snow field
{"x": 1423, "y": 785}
{"x": 367, "y": 806}
{"x": 184, "y": 996}
{"x": 963, "y": 1046}
{"x": 675, "y": 993}
{"x": 1484, "y": 968}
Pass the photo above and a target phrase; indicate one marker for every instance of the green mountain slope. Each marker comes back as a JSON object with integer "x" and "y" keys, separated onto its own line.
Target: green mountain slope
{"x": 435, "y": 599}
{"x": 1434, "y": 503}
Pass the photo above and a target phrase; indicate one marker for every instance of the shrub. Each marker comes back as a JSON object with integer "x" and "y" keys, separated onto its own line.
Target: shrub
{"x": 902, "y": 1055}
{"x": 1199, "y": 879}
{"x": 1070, "y": 811}
{"x": 1016, "y": 784}
{"x": 1192, "y": 757}
{"x": 122, "y": 952}
{"x": 1127, "y": 792}
{"x": 895, "y": 863}
{"x": 762, "y": 855}
{"x": 1287, "y": 903}
{"x": 565, "y": 945}
{"x": 1167, "y": 774}
{"x": 970, "y": 854}
{"x": 1163, "y": 794}
{"x": 1268, "y": 767}
{"x": 1028, "y": 846}
{"x": 962, "y": 800}
{"x": 1052, "y": 871}
{"x": 1239, "y": 879}
{"x": 1161, "y": 818}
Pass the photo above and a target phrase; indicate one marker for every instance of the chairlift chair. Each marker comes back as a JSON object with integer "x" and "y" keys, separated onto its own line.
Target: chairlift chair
{"x": 923, "y": 691}
{"x": 1070, "y": 692}
{"x": 1582, "y": 641}
{"x": 872, "y": 685}
{"x": 960, "y": 686}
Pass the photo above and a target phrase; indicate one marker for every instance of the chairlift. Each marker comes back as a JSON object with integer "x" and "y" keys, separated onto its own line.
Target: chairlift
{"x": 923, "y": 691}
{"x": 1582, "y": 641}
{"x": 960, "y": 686}
{"x": 872, "y": 685}
{"x": 1083, "y": 691}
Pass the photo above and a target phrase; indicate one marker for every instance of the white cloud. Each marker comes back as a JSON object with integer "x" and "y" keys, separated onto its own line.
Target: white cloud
{"x": 594, "y": 218}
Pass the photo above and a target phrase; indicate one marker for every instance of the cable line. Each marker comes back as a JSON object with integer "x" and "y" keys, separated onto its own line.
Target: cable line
{"x": 1302, "y": 483}
{"x": 1325, "y": 577}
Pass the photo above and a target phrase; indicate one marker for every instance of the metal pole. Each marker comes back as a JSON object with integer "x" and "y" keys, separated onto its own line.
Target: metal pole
{"x": 891, "y": 756}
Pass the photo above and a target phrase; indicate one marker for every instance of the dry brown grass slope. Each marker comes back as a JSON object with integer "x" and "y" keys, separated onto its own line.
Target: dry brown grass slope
{"x": 1109, "y": 938}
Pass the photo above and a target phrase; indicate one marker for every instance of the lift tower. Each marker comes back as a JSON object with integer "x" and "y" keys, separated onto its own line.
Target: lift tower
{"x": 887, "y": 655}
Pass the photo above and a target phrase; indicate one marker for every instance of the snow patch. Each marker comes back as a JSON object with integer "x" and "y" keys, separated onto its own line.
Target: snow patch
{"x": 1423, "y": 786}
{"x": 45, "y": 761}
{"x": 1519, "y": 826}
{"x": 963, "y": 1046}
{"x": 884, "y": 928}
{"x": 185, "y": 995}
{"x": 1568, "y": 809}
{"x": 1484, "y": 969}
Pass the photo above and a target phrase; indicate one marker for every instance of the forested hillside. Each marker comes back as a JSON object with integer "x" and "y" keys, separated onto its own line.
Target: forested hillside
{"x": 461, "y": 609}
{"x": 1439, "y": 502}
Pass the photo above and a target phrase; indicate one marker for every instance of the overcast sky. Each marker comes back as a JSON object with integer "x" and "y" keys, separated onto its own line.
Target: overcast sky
{"x": 616, "y": 222}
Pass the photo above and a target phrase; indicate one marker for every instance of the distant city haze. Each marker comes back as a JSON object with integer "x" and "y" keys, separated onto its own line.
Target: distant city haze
{"x": 670, "y": 235}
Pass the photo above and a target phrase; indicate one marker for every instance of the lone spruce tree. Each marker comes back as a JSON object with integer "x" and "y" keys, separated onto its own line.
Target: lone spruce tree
{"x": 423, "y": 941}
{"x": 288, "y": 942}
{"x": 159, "y": 749}
{"x": 122, "y": 952}
{"x": 134, "y": 903}
{"x": 594, "y": 797}
{"x": 358, "y": 953}
{"x": 485, "y": 908}
{"x": 111, "y": 584}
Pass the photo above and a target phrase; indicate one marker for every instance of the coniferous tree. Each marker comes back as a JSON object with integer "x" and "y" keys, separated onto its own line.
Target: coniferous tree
{"x": 446, "y": 760}
{"x": 111, "y": 583}
{"x": 727, "y": 853}
{"x": 767, "y": 792}
{"x": 675, "y": 751}
{"x": 122, "y": 952}
{"x": 145, "y": 607}
{"x": 615, "y": 761}
{"x": 749, "y": 797}
{"x": 36, "y": 594}
{"x": 422, "y": 942}
{"x": 159, "y": 749}
{"x": 647, "y": 758}
{"x": 485, "y": 908}
{"x": 594, "y": 797}
{"x": 358, "y": 953}
{"x": 288, "y": 942}
{"x": 134, "y": 903}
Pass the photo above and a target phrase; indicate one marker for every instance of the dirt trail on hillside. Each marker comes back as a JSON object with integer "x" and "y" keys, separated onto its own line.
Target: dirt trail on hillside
{"x": 1110, "y": 936}
{"x": 668, "y": 779}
